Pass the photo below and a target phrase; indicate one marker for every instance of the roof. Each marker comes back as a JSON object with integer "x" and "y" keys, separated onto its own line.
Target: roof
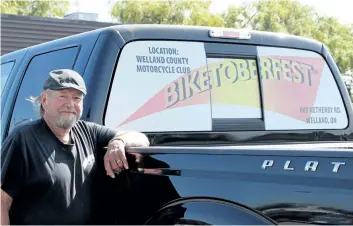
{"x": 18, "y": 32}
{"x": 201, "y": 33}
{"x": 34, "y": 31}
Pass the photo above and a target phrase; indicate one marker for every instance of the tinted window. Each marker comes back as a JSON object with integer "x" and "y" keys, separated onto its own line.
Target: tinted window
{"x": 5, "y": 72}
{"x": 32, "y": 84}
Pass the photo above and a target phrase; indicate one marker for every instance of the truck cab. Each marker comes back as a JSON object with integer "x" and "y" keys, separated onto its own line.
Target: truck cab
{"x": 251, "y": 126}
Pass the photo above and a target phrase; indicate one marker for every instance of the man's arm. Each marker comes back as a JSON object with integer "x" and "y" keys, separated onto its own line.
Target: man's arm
{"x": 116, "y": 143}
{"x": 14, "y": 164}
{"x": 115, "y": 158}
{"x": 6, "y": 202}
{"x": 131, "y": 139}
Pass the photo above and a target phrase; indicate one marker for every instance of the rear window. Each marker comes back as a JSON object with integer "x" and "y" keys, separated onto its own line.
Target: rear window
{"x": 172, "y": 86}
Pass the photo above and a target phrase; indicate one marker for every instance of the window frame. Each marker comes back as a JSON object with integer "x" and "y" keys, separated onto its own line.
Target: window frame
{"x": 237, "y": 51}
{"x": 23, "y": 75}
{"x": 7, "y": 77}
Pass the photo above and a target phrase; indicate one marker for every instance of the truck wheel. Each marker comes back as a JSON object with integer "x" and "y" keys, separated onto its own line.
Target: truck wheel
{"x": 207, "y": 211}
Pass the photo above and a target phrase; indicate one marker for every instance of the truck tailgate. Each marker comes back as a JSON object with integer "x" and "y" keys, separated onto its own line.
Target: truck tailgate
{"x": 289, "y": 183}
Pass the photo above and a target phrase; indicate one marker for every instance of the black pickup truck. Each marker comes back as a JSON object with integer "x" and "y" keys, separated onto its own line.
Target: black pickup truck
{"x": 246, "y": 127}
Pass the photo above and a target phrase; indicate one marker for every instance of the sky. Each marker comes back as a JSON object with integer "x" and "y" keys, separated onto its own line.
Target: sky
{"x": 341, "y": 9}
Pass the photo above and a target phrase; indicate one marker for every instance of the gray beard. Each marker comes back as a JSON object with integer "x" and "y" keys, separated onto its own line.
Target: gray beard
{"x": 66, "y": 122}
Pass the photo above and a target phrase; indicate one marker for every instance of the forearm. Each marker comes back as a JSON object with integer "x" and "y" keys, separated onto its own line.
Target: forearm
{"x": 115, "y": 159}
{"x": 4, "y": 217}
{"x": 132, "y": 139}
{"x": 6, "y": 202}
{"x": 120, "y": 133}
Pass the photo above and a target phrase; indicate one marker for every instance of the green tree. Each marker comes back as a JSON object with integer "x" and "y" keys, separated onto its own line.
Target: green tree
{"x": 339, "y": 40}
{"x": 281, "y": 16}
{"x": 193, "y": 12}
{"x": 149, "y": 12}
{"x": 290, "y": 16}
{"x": 237, "y": 17}
{"x": 197, "y": 13}
{"x": 47, "y": 8}
{"x": 286, "y": 16}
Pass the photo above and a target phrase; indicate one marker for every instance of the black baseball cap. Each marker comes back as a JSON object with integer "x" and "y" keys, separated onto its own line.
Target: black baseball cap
{"x": 65, "y": 79}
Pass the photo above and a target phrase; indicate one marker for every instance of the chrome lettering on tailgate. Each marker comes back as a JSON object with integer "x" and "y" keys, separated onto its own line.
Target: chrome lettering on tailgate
{"x": 309, "y": 166}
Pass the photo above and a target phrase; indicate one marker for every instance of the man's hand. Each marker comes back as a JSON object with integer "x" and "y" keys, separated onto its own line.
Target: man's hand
{"x": 115, "y": 159}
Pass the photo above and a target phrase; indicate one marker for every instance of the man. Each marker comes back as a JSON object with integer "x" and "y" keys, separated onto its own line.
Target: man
{"x": 47, "y": 164}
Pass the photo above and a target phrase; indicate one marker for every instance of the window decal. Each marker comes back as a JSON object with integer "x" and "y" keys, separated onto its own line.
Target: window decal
{"x": 299, "y": 91}
{"x": 160, "y": 86}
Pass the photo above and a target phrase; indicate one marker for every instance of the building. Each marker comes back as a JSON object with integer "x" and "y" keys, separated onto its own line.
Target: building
{"x": 19, "y": 32}
{"x": 82, "y": 16}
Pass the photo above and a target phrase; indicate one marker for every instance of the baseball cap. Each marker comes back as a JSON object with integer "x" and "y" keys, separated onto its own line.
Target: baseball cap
{"x": 65, "y": 79}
